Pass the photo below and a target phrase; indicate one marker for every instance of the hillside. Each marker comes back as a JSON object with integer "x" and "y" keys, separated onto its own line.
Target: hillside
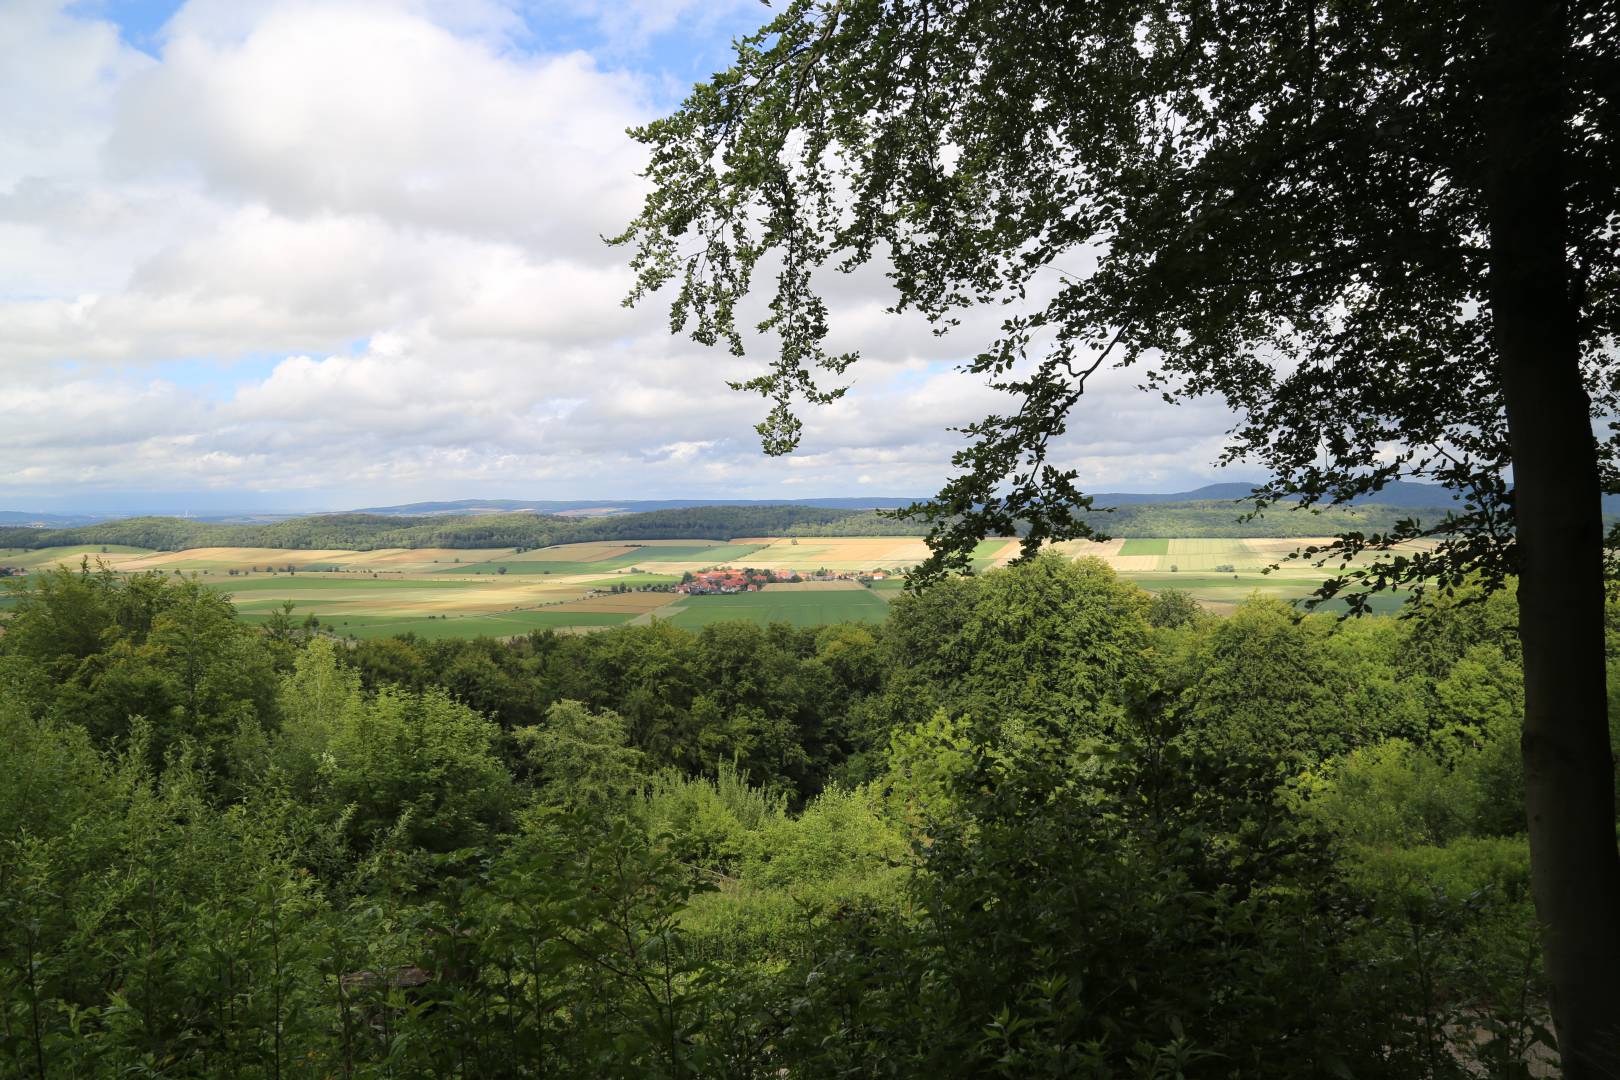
{"x": 1203, "y": 518}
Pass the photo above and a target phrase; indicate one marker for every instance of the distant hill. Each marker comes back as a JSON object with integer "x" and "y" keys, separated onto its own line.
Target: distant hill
{"x": 1187, "y": 518}
{"x": 48, "y": 521}
{"x": 1400, "y": 494}
{"x": 607, "y": 507}
{"x": 367, "y": 531}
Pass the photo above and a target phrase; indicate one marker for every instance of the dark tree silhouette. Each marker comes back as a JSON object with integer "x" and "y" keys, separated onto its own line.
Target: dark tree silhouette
{"x": 1383, "y": 232}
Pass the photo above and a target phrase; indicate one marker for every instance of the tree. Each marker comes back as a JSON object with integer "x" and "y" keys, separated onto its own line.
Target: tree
{"x": 1381, "y": 232}
{"x": 581, "y": 758}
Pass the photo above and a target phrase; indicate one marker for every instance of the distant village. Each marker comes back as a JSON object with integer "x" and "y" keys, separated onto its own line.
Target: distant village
{"x": 728, "y": 580}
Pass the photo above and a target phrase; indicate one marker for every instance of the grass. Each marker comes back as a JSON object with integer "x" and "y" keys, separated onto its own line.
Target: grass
{"x": 798, "y": 608}
{"x": 630, "y": 581}
{"x": 985, "y": 552}
{"x": 1145, "y": 547}
{"x": 499, "y": 625}
{"x": 1222, "y": 592}
{"x": 1160, "y": 580}
{"x": 717, "y": 554}
{"x": 1384, "y": 603}
{"x": 291, "y": 583}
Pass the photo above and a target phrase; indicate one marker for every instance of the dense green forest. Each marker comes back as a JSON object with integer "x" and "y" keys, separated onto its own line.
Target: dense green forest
{"x": 1038, "y": 823}
{"x": 365, "y": 531}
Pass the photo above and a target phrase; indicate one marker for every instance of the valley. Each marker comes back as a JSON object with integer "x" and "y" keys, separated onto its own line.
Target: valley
{"x": 504, "y": 592}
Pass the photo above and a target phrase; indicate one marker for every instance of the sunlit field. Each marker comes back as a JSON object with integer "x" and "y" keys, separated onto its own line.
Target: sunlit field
{"x": 506, "y": 592}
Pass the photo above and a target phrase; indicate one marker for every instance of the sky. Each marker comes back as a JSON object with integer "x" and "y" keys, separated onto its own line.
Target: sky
{"x": 315, "y": 254}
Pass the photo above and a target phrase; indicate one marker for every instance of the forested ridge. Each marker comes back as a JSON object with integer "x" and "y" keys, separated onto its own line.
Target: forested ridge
{"x": 1038, "y": 823}
{"x": 366, "y": 531}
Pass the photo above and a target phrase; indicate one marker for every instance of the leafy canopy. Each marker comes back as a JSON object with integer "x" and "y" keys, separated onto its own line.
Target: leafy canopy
{"x": 1281, "y": 205}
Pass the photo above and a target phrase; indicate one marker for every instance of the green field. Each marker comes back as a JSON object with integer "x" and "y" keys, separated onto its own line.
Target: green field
{"x": 799, "y": 608}
{"x": 631, "y": 580}
{"x": 1221, "y": 592}
{"x": 439, "y": 593}
{"x": 1155, "y": 580}
{"x": 505, "y": 624}
{"x": 711, "y": 553}
{"x": 985, "y": 553}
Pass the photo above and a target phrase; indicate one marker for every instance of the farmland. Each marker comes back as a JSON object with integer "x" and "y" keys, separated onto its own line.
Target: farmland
{"x": 812, "y": 607}
{"x": 505, "y": 592}
{"x": 1218, "y": 572}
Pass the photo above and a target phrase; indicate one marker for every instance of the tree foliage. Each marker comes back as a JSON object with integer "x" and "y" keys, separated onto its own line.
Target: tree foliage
{"x": 1268, "y": 845}
{"x": 1284, "y": 207}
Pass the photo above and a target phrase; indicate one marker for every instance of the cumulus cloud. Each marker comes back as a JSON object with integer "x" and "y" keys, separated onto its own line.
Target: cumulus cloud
{"x": 353, "y": 249}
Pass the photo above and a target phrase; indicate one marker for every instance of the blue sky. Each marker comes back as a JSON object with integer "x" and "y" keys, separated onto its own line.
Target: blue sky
{"x": 310, "y": 254}
{"x": 138, "y": 20}
{"x": 687, "y": 51}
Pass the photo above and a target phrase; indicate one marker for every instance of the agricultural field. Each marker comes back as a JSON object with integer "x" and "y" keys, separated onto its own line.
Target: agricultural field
{"x": 1145, "y": 547}
{"x": 666, "y": 556}
{"x": 503, "y": 592}
{"x": 489, "y": 624}
{"x": 1220, "y": 573}
{"x": 801, "y": 607}
{"x": 845, "y": 554}
{"x": 69, "y": 556}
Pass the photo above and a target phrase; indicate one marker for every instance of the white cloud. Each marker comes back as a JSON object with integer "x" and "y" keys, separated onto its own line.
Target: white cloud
{"x": 353, "y": 248}
{"x": 359, "y": 109}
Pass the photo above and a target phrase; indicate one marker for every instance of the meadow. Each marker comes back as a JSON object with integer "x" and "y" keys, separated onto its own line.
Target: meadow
{"x": 506, "y": 592}
{"x": 810, "y": 607}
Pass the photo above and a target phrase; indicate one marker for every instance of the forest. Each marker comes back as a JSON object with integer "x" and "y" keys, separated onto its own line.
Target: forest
{"x": 1037, "y": 823}
{"x": 369, "y": 531}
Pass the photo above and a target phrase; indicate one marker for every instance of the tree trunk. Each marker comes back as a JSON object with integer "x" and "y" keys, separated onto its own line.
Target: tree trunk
{"x": 1569, "y": 772}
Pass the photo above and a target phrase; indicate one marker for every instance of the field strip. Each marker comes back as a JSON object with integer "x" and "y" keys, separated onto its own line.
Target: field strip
{"x": 813, "y": 586}
{"x": 634, "y": 602}
{"x": 1009, "y": 551}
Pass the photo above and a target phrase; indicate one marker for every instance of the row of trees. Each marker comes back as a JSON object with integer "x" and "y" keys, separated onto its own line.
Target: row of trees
{"x": 1037, "y": 823}
{"x": 365, "y": 531}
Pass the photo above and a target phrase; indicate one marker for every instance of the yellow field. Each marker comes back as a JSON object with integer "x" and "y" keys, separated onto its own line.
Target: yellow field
{"x": 68, "y": 556}
{"x": 225, "y": 558}
{"x": 1009, "y": 551}
{"x": 1203, "y": 555}
{"x": 592, "y": 552}
{"x": 129, "y": 560}
{"x": 837, "y": 552}
{"x": 420, "y": 560}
